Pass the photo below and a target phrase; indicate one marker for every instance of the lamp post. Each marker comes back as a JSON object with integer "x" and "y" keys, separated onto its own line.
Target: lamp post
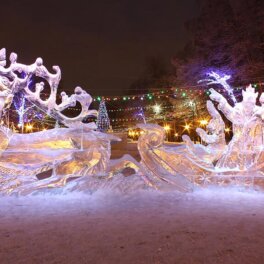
{"x": 167, "y": 129}
{"x": 176, "y": 135}
{"x": 156, "y": 109}
{"x": 192, "y": 105}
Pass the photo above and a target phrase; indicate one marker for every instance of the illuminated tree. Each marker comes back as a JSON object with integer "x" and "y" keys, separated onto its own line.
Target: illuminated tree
{"x": 103, "y": 121}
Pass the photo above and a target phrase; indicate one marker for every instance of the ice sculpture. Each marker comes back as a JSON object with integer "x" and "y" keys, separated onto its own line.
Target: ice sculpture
{"x": 157, "y": 161}
{"x": 78, "y": 156}
{"x": 240, "y": 162}
{"x": 74, "y": 151}
{"x": 214, "y": 138}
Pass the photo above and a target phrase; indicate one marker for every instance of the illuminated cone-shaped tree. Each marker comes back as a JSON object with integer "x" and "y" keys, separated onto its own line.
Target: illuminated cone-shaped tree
{"x": 103, "y": 121}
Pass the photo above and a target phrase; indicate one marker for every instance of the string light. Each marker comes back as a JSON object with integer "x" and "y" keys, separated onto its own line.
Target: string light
{"x": 157, "y": 109}
{"x": 191, "y": 103}
{"x": 167, "y": 92}
{"x": 203, "y": 122}
{"x": 187, "y": 127}
{"x": 167, "y": 128}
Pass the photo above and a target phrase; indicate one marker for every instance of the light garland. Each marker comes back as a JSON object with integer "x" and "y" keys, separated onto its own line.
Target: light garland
{"x": 171, "y": 91}
{"x": 175, "y": 93}
{"x": 128, "y": 108}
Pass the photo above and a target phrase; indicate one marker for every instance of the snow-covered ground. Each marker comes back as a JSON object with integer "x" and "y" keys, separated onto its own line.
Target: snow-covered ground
{"x": 207, "y": 226}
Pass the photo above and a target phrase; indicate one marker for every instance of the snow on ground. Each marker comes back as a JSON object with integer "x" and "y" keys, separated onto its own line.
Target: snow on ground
{"x": 207, "y": 226}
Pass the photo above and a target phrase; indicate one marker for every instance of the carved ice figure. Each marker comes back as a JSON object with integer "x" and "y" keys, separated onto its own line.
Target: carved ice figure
{"x": 65, "y": 101}
{"x": 161, "y": 162}
{"x": 241, "y": 161}
{"x": 74, "y": 151}
{"x": 5, "y": 94}
{"x": 214, "y": 137}
{"x": 247, "y": 137}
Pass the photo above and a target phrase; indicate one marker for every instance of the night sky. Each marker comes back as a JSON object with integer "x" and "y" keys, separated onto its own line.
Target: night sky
{"x": 99, "y": 45}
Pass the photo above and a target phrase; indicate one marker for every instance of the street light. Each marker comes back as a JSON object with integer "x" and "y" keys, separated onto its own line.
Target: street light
{"x": 191, "y": 103}
{"x": 29, "y": 127}
{"x": 193, "y": 108}
{"x": 187, "y": 127}
{"x": 203, "y": 122}
{"x": 157, "y": 109}
{"x": 176, "y": 135}
{"x": 167, "y": 128}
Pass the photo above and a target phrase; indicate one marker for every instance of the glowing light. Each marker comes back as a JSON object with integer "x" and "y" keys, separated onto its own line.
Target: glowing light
{"x": 132, "y": 133}
{"x": 227, "y": 130}
{"x": 187, "y": 127}
{"x": 203, "y": 122}
{"x": 191, "y": 103}
{"x": 176, "y": 134}
{"x": 215, "y": 78}
{"x": 157, "y": 109}
{"x": 167, "y": 128}
{"x": 29, "y": 127}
